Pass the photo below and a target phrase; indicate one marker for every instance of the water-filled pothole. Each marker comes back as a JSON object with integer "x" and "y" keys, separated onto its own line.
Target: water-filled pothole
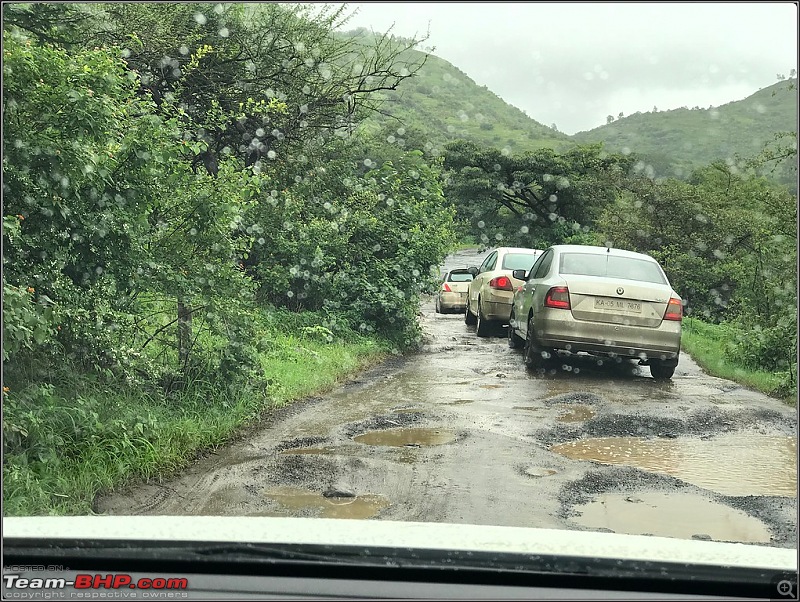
{"x": 406, "y": 437}
{"x": 735, "y": 464}
{"x": 671, "y": 514}
{"x": 296, "y": 500}
{"x": 578, "y": 413}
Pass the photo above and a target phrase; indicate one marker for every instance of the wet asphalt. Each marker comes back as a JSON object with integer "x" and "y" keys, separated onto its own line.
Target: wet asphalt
{"x": 460, "y": 432}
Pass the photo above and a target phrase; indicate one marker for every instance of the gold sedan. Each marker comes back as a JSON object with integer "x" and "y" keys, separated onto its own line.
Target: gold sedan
{"x": 491, "y": 292}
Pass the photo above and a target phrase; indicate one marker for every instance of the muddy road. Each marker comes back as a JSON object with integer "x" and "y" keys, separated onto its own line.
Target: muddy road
{"x": 461, "y": 433}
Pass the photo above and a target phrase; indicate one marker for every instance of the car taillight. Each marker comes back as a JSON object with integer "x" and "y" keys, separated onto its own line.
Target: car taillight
{"x": 674, "y": 310}
{"x": 501, "y": 282}
{"x": 446, "y": 288}
{"x": 557, "y": 297}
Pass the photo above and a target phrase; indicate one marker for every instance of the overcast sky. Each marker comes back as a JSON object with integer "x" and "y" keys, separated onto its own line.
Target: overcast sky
{"x": 574, "y": 63}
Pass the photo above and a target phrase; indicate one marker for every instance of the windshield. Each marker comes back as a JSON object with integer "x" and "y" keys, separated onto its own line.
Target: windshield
{"x": 226, "y": 229}
{"x": 518, "y": 261}
{"x": 606, "y": 265}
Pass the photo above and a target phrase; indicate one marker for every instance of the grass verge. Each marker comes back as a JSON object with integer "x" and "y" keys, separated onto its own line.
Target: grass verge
{"x": 78, "y": 436}
{"x": 706, "y": 343}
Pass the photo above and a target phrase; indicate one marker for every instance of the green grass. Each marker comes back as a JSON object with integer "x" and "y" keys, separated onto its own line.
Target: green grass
{"x": 706, "y": 344}
{"x": 67, "y": 441}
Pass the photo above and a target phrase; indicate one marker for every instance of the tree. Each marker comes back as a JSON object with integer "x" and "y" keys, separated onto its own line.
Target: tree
{"x": 539, "y": 196}
{"x": 217, "y": 68}
{"x": 610, "y": 119}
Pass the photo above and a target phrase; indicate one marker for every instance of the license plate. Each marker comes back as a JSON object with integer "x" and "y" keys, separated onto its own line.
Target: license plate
{"x": 618, "y": 304}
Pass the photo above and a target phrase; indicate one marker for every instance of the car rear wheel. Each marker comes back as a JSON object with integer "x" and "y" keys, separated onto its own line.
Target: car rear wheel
{"x": 483, "y": 325}
{"x": 514, "y": 340}
{"x": 469, "y": 317}
{"x": 438, "y": 305}
{"x": 661, "y": 371}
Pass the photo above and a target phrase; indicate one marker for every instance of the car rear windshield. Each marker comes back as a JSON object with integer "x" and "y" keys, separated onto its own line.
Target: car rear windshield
{"x": 612, "y": 266}
{"x": 519, "y": 261}
{"x": 459, "y": 277}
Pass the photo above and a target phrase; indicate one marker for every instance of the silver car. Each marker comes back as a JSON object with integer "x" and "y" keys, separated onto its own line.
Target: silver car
{"x": 599, "y": 300}
{"x": 452, "y": 294}
{"x": 491, "y": 292}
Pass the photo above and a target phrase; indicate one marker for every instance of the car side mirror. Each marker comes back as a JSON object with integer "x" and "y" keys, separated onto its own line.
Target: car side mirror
{"x": 520, "y": 274}
{"x": 473, "y": 270}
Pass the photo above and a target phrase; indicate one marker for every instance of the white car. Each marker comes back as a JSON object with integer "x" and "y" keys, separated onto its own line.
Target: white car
{"x": 452, "y": 294}
{"x": 491, "y": 292}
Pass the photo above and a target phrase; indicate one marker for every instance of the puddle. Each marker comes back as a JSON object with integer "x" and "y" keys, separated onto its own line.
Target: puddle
{"x": 296, "y": 499}
{"x": 734, "y": 464}
{"x": 577, "y": 413}
{"x": 671, "y": 514}
{"x": 529, "y": 408}
{"x": 492, "y": 386}
{"x": 406, "y": 437}
{"x": 459, "y": 402}
{"x": 535, "y": 471}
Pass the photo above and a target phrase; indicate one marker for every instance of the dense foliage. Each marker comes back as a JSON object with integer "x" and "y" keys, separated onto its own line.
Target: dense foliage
{"x": 165, "y": 187}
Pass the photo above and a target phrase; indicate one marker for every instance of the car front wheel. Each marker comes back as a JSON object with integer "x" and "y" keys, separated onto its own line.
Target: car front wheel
{"x": 514, "y": 340}
{"x": 469, "y": 317}
{"x": 483, "y": 325}
{"x": 533, "y": 354}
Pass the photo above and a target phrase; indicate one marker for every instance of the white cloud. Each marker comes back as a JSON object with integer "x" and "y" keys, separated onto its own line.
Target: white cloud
{"x": 574, "y": 63}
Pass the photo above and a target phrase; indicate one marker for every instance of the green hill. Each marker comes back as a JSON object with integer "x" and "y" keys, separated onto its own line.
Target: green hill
{"x": 444, "y": 104}
{"x": 676, "y": 141}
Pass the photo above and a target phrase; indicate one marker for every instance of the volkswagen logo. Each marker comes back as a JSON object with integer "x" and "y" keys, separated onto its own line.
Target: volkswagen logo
{"x": 620, "y": 290}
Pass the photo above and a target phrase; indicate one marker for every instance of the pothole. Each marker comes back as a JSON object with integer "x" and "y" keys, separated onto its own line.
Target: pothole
{"x": 301, "y": 451}
{"x": 528, "y": 408}
{"x": 582, "y": 397}
{"x": 299, "y": 442}
{"x": 537, "y": 471}
{"x": 735, "y": 464}
{"x": 578, "y": 413}
{"x": 459, "y": 402}
{"x": 413, "y": 437}
{"x": 296, "y": 501}
{"x": 671, "y": 514}
{"x": 492, "y": 386}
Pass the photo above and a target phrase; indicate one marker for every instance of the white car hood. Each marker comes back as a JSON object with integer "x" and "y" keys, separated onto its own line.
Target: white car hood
{"x": 431, "y": 536}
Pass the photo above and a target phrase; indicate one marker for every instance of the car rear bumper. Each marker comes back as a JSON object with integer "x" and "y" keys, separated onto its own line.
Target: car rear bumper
{"x": 453, "y": 300}
{"x": 499, "y": 311}
{"x": 558, "y": 329}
